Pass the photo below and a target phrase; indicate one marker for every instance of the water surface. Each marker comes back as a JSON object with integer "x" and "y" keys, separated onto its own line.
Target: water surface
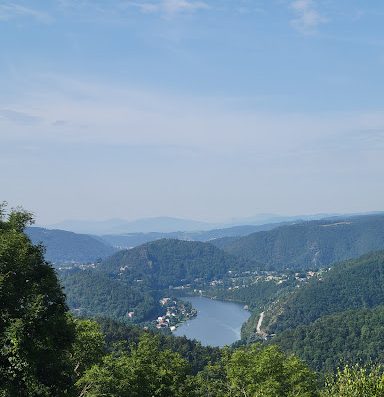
{"x": 217, "y": 323}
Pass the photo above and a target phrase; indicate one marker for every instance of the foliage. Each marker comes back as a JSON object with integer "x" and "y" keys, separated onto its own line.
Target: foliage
{"x": 198, "y": 356}
{"x": 354, "y": 336}
{"x": 35, "y": 333}
{"x": 210, "y": 382}
{"x": 147, "y": 369}
{"x": 258, "y": 372}
{"x": 268, "y": 372}
{"x": 145, "y": 372}
{"x": 94, "y": 293}
{"x": 88, "y": 347}
{"x": 355, "y": 381}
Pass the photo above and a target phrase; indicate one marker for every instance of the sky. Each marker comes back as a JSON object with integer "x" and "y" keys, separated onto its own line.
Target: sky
{"x": 203, "y": 109}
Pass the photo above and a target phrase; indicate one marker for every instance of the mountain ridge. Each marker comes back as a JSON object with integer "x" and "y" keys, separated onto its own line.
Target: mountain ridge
{"x": 310, "y": 245}
{"x": 62, "y": 246}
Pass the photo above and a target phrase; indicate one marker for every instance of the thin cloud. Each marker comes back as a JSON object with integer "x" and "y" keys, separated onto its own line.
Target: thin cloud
{"x": 170, "y": 7}
{"x": 308, "y": 18}
{"x": 18, "y": 117}
{"x": 134, "y": 117}
{"x": 10, "y": 10}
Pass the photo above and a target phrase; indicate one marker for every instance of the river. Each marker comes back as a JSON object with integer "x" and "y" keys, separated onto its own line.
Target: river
{"x": 217, "y": 323}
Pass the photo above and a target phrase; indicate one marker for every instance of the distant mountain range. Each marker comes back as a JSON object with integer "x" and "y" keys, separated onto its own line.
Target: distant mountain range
{"x": 295, "y": 244}
{"x": 121, "y": 226}
{"x": 64, "y": 247}
{"x": 131, "y": 240}
{"x": 172, "y": 225}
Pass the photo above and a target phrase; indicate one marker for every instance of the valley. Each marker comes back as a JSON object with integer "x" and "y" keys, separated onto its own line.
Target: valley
{"x": 282, "y": 300}
{"x": 190, "y": 201}
{"x": 208, "y": 305}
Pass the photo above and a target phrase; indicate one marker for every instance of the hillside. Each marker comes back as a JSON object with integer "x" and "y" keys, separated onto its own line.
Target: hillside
{"x": 349, "y": 285}
{"x": 166, "y": 262}
{"x": 310, "y": 245}
{"x": 134, "y": 280}
{"x": 94, "y": 293}
{"x": 64, "y": 247}
{"x": 352, "y": 336}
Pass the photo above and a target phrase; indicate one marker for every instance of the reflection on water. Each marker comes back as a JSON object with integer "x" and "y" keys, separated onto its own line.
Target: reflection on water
{"x": 217, "y": 323}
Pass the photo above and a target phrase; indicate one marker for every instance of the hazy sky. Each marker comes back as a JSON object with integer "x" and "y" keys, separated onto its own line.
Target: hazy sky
{"x": 205, "y": 109}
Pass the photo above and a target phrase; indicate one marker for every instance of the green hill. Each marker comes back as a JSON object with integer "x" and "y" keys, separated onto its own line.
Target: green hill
{"x": 64, "y": 247}
{"x": 93, "y": 293}
{"x": 354, "y": 336}
{"x": 310, "y": 245}
{"x": 134, "y": 280}
{"x": 349, "y": 285}
{"x": 166, "y": 262}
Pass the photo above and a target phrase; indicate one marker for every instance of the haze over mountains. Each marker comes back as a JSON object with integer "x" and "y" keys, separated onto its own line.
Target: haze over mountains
{"x": 301, "y": 244}
{"x": 171, "y": 224}
{"x": 64, "y": 246}
{"x": 145, "y": 225}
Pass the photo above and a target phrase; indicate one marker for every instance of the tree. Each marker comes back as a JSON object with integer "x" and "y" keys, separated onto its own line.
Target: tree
{"x": 89, "y": 346}
{"x": 35, "y": 332}
{"x": 146, "y": 371}
{"x": 211, "y": 381}
{"x": 267, "y": 372}
{"x": 256, "y": 371}
{"x": 356, "y": 381}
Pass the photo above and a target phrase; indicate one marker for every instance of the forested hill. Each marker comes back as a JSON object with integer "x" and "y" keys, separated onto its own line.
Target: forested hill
{"x": 134, "y": 280}
{"x": 349, "y": 285}
{"x": 93, "y": 293}
{"x": 62, "y": 246}
{"x": 310, "y": 245}
{"x": 352, "y": 336}
{"x": 167, "y": 262}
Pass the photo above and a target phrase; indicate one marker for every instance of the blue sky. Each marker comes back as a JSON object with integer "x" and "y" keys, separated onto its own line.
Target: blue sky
{"x": 200, "y": 109}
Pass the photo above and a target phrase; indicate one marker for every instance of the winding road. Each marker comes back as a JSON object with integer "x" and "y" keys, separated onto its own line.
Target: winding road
{"x": 258, "y": 327}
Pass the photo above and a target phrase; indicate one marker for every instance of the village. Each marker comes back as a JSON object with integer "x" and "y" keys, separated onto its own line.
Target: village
{"x": 235, "y": 280}
{"x": 177, "y": 311}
